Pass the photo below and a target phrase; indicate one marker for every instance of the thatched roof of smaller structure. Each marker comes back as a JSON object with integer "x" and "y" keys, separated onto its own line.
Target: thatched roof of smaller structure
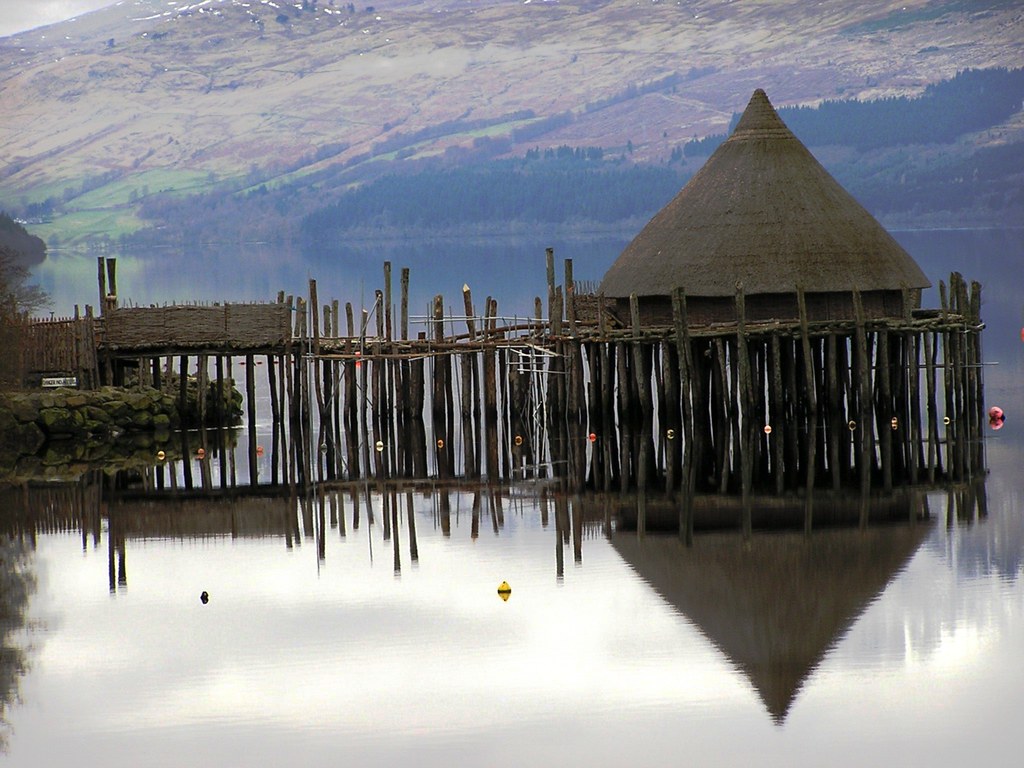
{"x": 764, "y": 212}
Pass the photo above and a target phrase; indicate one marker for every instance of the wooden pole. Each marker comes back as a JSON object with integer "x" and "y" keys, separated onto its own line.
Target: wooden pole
{"x": 685, "y": 361}
{"x": 811, "y": 401}
{"x": 864, "y": 420}
{"x": 250, "y": 403}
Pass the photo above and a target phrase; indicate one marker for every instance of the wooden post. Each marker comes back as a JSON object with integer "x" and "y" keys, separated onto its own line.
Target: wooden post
{"x": 549, "y": 254}
{"x": 746, "y": 427}
{"x": 490, "y": 386}
{"x": 250, "y": 404}
{"x": 685, "y": 360}
{"x": 101, "y": 279}
{"x": 438, "y": 399}
{"x": 112, "y": 282}
{"x": 321, "y": 440}
{"x": 570, "y": 298}
{"x": 778, "y": 422}
{"x": 864, "y": 420}
{"x": 811, "y": 401}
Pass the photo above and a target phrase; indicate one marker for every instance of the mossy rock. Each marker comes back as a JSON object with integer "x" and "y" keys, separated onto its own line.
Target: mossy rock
{"x": 76, "y": 400}
{"x": 98, "y": 414}
{"x": 63, "y": 452}
{"x": 61, "y": 421}
{"x": 141, "y": 419}
{"x": 119, "y": 410}
{"x": 24, "y": 408}
{"x": 8, "y": 424}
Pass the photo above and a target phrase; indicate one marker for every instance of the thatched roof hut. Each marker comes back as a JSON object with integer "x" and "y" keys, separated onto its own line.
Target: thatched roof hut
{"x": 764, "y": 213}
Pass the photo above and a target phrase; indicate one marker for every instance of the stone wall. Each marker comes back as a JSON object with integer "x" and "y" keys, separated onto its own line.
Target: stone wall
{"x": 29, "y": 419}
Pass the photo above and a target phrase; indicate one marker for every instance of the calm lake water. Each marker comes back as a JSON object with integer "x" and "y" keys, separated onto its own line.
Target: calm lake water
{"x": 372, "y": 634}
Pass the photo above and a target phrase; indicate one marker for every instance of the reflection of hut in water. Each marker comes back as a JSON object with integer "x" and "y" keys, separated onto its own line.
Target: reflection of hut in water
{"x": 774, "y": 604}
{"x": 251, "y": 514}
{"x": 763, "y": 212}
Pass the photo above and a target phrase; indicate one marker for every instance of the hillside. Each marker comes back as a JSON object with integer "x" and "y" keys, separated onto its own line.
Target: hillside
{"x": 148, "y": 97}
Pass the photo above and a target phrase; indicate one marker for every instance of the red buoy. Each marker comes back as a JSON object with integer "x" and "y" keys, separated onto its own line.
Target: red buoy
{"x": 996, "y": 417}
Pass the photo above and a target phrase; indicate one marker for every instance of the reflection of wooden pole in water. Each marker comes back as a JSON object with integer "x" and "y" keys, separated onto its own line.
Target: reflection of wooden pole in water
{"x": 111, "y": 556}
{"x": 385, "y": 502}
{"x": 321, "y": 528}
{"x": 414, "y": 550}
{"x": 355, "y": 508}
{"x": 560, "y": 536}
{"x": 498, "y": 508}
{"x": 576, "y": 515}
{"x": 445, "y": 512}
{"x": 395, "y": 538}
{"x": 474, "y": 517}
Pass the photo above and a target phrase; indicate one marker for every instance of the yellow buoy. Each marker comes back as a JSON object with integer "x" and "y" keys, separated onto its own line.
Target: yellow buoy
{"x": 504, "y": 590}
{"x": 160, "y": 455}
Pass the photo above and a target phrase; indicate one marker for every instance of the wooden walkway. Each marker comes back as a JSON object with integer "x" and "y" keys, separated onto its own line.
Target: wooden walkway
{"x": 735, "y": 409}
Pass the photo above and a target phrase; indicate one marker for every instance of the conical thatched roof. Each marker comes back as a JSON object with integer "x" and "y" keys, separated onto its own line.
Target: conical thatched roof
{"x": 777, "y": 603}
{"x": 762, "y": 211}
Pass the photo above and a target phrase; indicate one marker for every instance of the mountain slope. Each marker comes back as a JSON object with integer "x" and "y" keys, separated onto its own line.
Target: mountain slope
{"x": 149, "y": 96}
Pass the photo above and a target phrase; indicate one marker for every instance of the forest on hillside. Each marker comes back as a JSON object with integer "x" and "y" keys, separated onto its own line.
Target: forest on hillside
{"x": 564, "y": 187}
{"x": 26, "y": 249}
{"x": 973, "y": 100}
{"x": 568, "y": 185}
{"x": 944, "y": 155}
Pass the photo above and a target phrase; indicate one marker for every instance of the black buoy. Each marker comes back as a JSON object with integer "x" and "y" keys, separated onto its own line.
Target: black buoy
{"x": 204, "y": 598}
